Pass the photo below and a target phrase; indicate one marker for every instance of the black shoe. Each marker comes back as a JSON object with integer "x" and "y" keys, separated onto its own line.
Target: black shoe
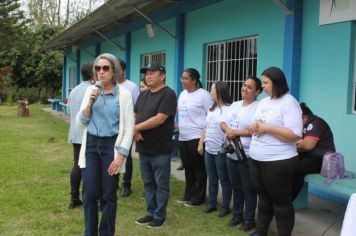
{"x": 181, "y": 167}
{"x": 74, "y": 203}
{"x": 210, "y": 210}
{"x": 156, "y": 223}
{"x": 235, "y": 221}
{"x": 247, "y": 225}
{"x": 224, "y": 212}
{"x": 144, "y": 220}
{"x": 125, "y": 192}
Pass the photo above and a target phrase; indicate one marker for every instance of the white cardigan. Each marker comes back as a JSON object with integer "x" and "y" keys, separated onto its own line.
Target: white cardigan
{"x": 126, "y": 125}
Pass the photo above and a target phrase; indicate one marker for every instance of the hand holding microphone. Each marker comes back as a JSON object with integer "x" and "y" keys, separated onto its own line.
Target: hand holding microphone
{"x": 95, "y": 93}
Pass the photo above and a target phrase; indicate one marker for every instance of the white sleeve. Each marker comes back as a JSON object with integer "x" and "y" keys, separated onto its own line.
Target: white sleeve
{"x": 292, "y": 117}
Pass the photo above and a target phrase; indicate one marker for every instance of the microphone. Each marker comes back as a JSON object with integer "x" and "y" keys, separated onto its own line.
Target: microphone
{"x": 99, "y": 86}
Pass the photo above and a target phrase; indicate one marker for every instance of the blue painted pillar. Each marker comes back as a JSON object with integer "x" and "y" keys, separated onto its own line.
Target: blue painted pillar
{"x": 179, "y": 52}
{"x": 97, "y": 49}
{"x": 292, "y": 46}
{"x": 78, "y": 67}
{"x": 64, "y": 78}
{"x": 128, "y": 54}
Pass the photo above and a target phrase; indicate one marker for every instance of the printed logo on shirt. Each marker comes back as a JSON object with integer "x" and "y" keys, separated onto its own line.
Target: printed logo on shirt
{"x": 310, "y": 127}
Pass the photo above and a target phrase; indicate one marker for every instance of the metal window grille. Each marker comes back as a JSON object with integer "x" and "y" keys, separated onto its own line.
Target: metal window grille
{"x": 159, "y": 57}
{"x": 231, "y": 61}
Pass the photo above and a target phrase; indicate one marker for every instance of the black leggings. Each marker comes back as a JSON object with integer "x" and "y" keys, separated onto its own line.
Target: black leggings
{"x": 195, "y": 173}
{"x": 307, "y": 164}
{"x": 76, "y": 174}
{"x": 272, "y": 181}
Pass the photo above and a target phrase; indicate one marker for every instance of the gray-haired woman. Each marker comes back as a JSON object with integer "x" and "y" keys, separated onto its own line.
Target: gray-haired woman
{"x": 107, "y": 114}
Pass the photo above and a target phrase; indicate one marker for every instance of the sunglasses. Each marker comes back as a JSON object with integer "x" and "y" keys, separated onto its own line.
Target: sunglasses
{"x": 105, "y": 68}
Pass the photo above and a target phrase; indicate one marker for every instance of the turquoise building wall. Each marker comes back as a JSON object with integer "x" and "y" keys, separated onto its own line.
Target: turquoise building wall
{"x": 108, "y": 47}
{"x": 142, "y": 44}
{"x": 234, "y": 19}
{"x": 326, "y": 81}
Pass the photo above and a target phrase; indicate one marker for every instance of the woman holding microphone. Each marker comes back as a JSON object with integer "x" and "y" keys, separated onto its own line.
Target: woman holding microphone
{"x": 107, "y": 114}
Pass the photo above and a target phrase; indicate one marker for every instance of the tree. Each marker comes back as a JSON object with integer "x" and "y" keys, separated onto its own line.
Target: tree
{"x": 11, "y": 25}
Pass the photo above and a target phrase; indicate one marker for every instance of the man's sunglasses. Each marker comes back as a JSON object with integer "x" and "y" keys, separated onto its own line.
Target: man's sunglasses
{"x": 104, "y": 68}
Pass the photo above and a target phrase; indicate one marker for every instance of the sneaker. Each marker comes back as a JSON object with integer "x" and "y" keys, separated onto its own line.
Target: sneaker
{"x": 210, "y": 210}
{"x": 144, "y": 220}
{"x": 224, "y": 212}
{"x": 182, "y": 201}
{"x": 125, "y": 192}
{"x": 156, "y": 223}
{"x": 192, "y": 204}
{"x": 235, "y": 221}
{"x": 247, "y": 225}
{"x": 74, "y": 203}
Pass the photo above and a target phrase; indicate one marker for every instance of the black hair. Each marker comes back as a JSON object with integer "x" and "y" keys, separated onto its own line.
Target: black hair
{"x": 222, "y": 95}
{"x": 305, "y": 109}
{"x": 87, "y": 71}
{"x": 122, "y": 64}
{"x": 144, "y": 81}
{"x": 257, "y": 81}
{"x": 279, "y": 82}
{"x": 195, "y": 76}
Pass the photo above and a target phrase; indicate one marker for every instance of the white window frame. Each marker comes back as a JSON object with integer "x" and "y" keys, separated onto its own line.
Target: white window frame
{"x": 231, "y": 61}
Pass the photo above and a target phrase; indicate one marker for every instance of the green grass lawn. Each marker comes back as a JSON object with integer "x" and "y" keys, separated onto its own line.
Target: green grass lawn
{"x": 35, "y": 161}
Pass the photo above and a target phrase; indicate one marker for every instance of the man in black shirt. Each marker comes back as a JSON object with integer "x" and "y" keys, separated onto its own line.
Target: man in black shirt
{"x": 316, "y": 141}
{"x": 155, "y": 110}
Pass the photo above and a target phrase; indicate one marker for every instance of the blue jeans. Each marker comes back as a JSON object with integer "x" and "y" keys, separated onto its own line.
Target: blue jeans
{"x": 217, "y": 170}
{"x": 126, "y": 182}
{"x": 155, "y": 173}
{"x": 96, "y": 183}
{"x": 244, "y": 195}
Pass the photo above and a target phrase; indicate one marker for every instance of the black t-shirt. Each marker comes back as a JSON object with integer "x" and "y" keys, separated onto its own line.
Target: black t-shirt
{"x": 317, "y": 129}
{"x": 157, "y": 141}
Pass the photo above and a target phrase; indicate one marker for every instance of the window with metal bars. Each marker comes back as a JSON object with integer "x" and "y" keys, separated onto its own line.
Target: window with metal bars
{"x": 159, "y": 57}
{"x": 231, "y": 61}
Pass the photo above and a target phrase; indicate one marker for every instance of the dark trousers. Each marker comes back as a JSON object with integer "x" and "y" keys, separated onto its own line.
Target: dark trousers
{"x": 272, "y": 181}
{"x": 156, "y": 172}
{"x": 75, "y": 174}
{"x": 244, "y": 196}
{"x": 305, "y": 165}
{"x": 126, "y": 182}
{"x": 195, "y": 173}
{"x": 96, "y": 183}
{"x": 217, "y": 171}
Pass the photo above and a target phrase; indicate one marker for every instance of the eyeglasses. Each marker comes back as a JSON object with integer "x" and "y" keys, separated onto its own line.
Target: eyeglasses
{"x": 105, "y": 68}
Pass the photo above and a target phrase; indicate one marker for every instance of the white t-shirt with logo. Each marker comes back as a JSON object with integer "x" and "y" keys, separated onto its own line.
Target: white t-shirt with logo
{"x": 214, "y": 136}
{"x": 192, "y": 110}
{"x": 240, "y": 117}
{"x": 281, "y": 112}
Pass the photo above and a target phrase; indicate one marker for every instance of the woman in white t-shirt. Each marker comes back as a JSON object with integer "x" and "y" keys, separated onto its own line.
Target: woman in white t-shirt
{"x": 193, "y": 105}
{"x": 277, "y": 128}
{"x": 235, "y": 123}
{"x": 213, "y": 136}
